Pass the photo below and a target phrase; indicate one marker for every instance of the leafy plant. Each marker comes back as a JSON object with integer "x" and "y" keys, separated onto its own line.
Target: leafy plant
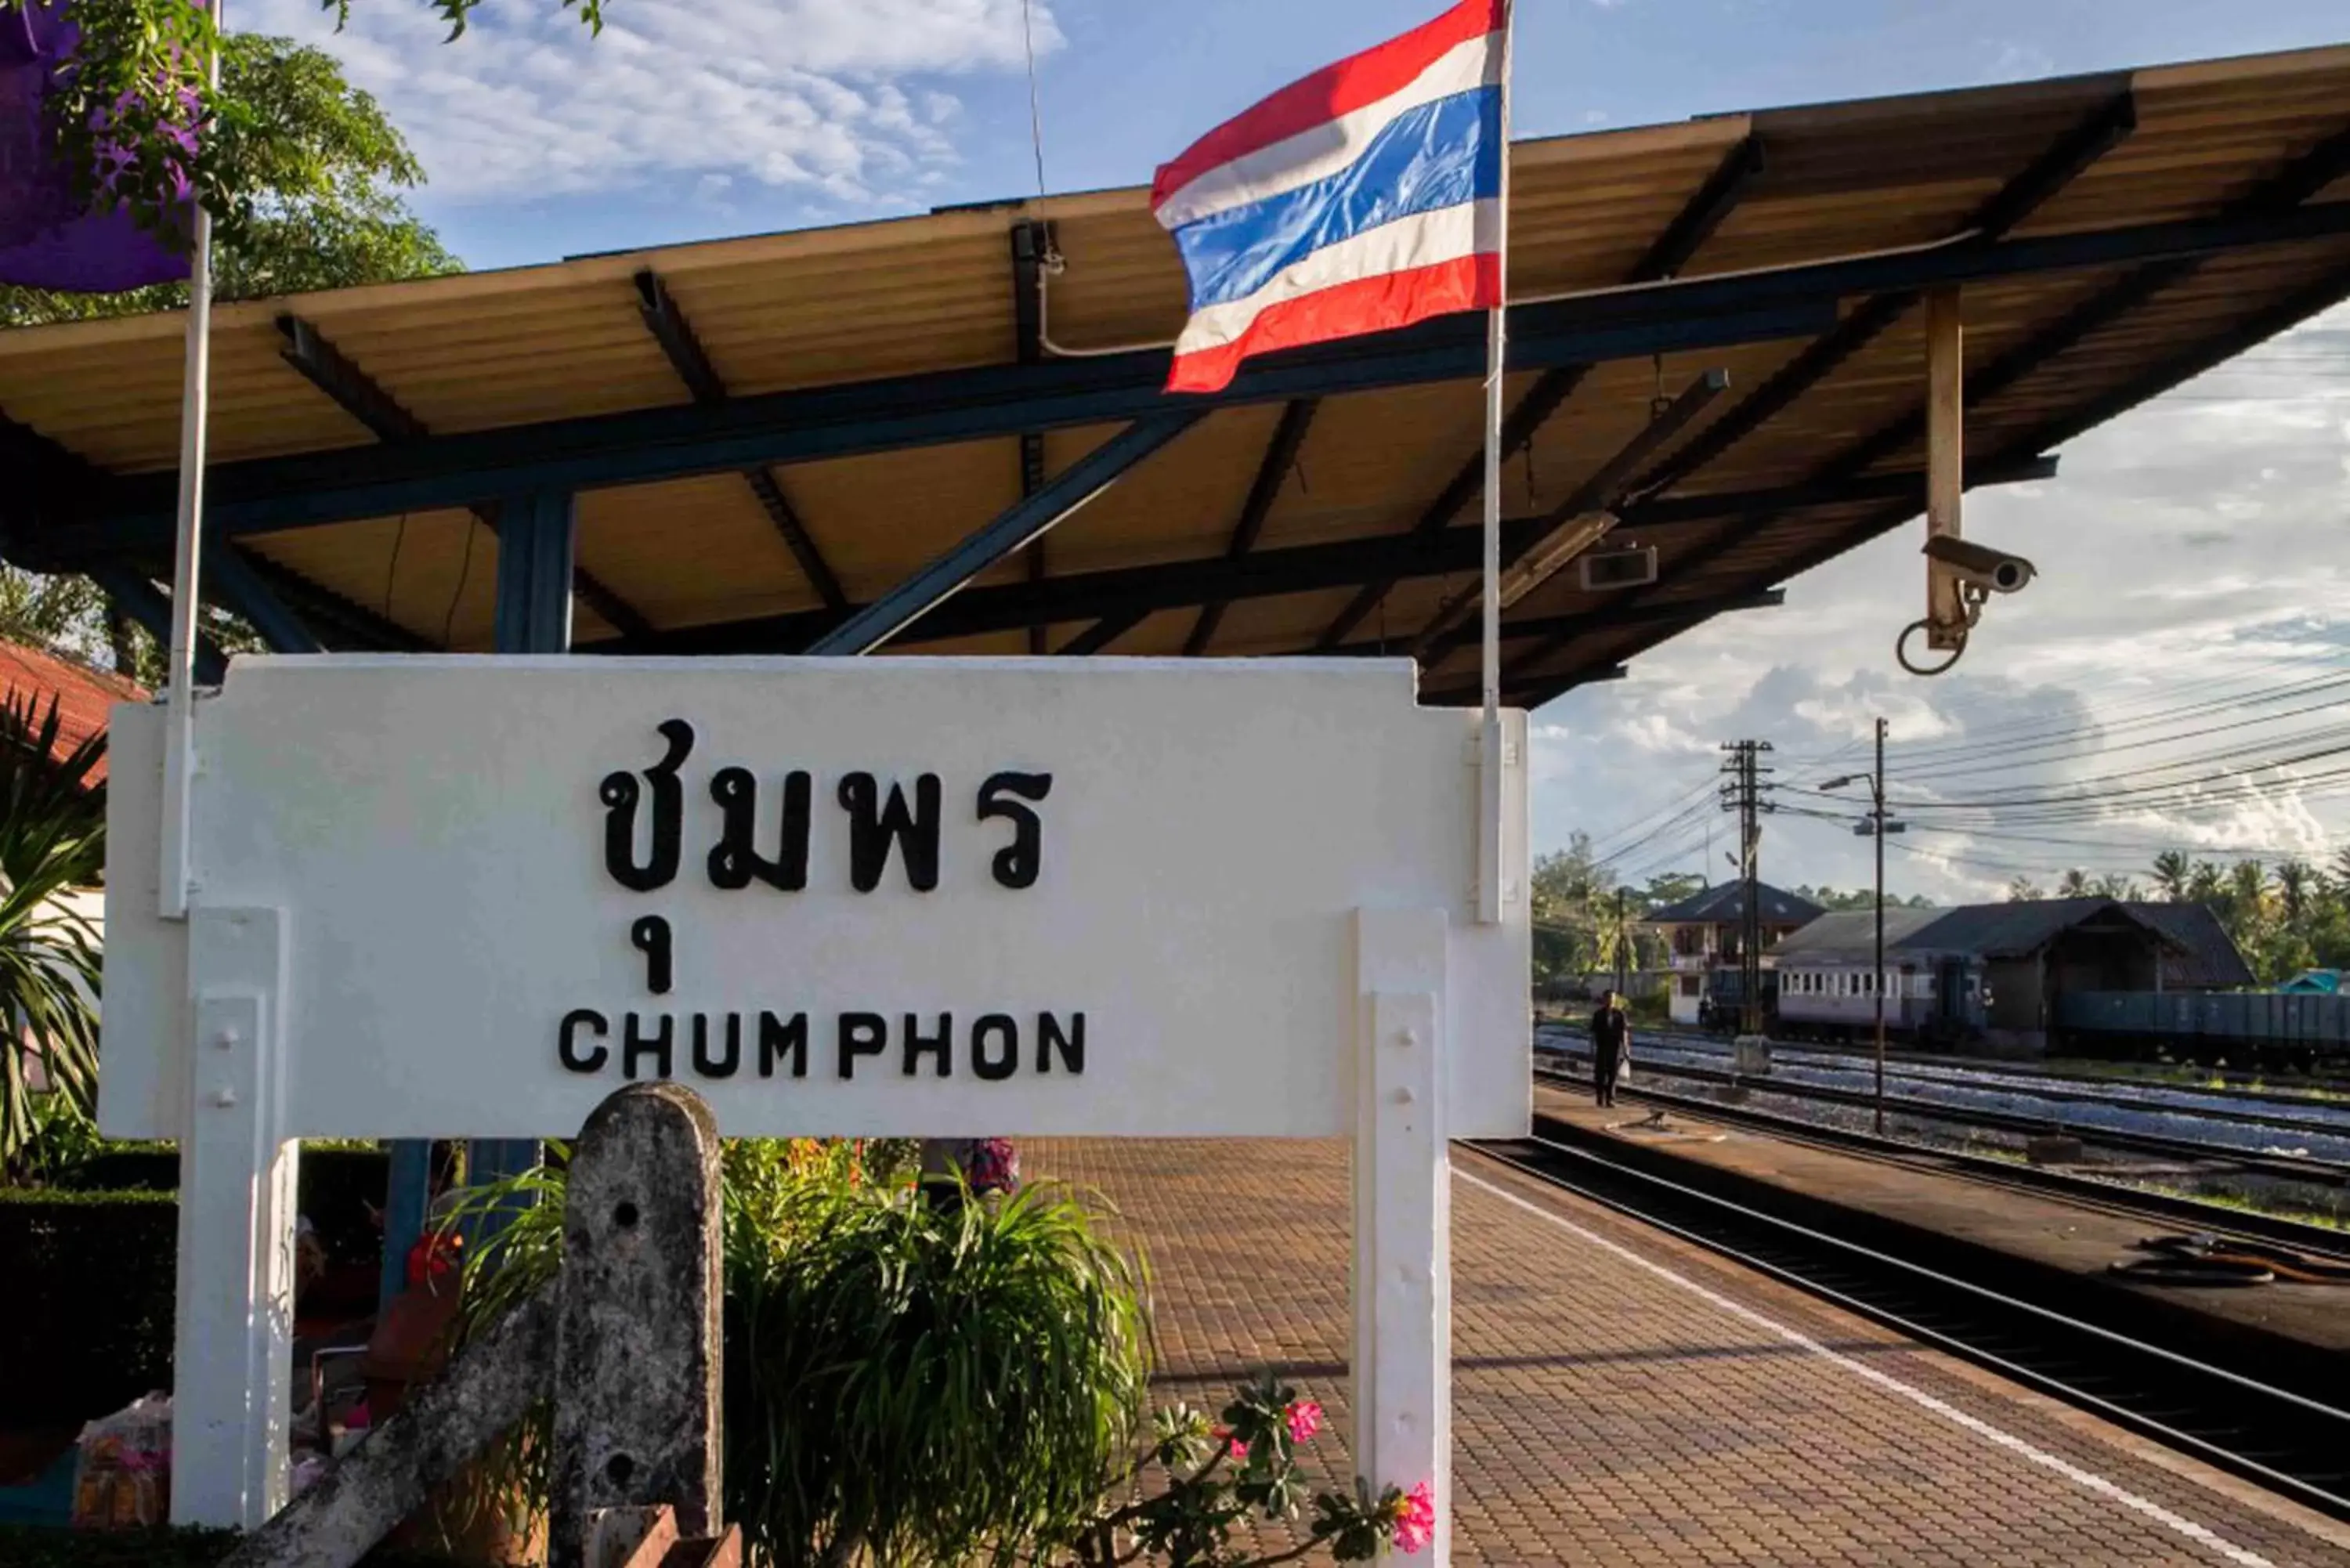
{"x": 917, "y": 1382}
{"x": 52, "y": 842}
{"x": 1217, "y": 1478}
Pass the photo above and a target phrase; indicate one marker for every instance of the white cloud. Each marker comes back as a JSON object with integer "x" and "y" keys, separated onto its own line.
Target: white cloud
{"x": 2191, "y": 551}
{"x": 845, "y": 101}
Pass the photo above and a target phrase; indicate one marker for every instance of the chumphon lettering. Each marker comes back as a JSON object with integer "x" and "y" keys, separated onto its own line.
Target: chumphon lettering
{"x": 989, "y": 1046}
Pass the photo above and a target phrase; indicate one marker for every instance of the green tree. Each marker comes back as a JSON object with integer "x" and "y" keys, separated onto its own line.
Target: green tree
{"x": 2115, "y": 885}
{"x": 2023, "y": 891}
{"x": 323, "y": 172}
{"x": 52, "y": 843}
{"x": 2171, "y": 871}
{"x": 2075, "y": 884}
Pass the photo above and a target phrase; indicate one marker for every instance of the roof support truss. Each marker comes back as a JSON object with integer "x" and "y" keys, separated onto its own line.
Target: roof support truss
{"x": 1272, "y": 471}
{"x": 1689, "y": 229}
{"x": 151, "y": 607}
{"x": 675, "y": 334}
{"x": 2046, "y": 177}
{"x": 245, "y": 591}
{"x": 1528, "y": 565}
{"x": 1179, "y": 585}
{"x": 1017, "y": 526}
{"x": 358, "y": 394}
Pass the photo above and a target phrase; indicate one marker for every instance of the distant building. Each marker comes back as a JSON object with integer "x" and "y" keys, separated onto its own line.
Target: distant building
{"x": 1704, "y": 932}
{"x": 1997, "y": 972}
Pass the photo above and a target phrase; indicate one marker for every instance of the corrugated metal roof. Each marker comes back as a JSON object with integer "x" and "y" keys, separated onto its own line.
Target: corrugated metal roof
{"x": 1847, "y": 933}
{"x": 534, "y": 351}
{"x": 83, "y": 697}
{"x": 2207, "y": 959}
{"x": 1727, "y": 903}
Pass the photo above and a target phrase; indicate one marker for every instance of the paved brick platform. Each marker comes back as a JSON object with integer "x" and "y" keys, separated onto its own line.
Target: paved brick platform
{"x": 1622, "y": 1399}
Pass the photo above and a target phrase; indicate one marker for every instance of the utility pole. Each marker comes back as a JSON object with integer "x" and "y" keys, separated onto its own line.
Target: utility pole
{"x": 1622, "y": 975}
{"x": 1743, "y": 794}
{"x": 1877, "y": 818}
{"x": 1876, "y": 826}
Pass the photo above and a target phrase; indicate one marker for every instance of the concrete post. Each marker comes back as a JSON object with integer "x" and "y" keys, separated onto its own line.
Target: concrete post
{"x": 1402, "y": 1363}
{"x": 233, "y": 1339}
{"x": 637, "y": 1376}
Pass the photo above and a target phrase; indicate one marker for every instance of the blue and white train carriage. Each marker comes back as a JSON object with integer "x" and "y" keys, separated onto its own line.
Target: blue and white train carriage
{"x": 1828, "y": 985}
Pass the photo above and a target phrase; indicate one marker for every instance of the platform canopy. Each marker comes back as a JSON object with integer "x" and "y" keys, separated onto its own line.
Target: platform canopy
{"x": 1718, "y": 334}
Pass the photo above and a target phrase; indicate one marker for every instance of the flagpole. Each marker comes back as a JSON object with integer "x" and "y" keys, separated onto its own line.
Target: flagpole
{"x": 195, "y": 398}
{"x": 1489, "y": 845}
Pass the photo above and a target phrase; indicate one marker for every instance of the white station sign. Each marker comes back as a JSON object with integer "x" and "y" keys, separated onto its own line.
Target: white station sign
{"x": 906, "y": 896}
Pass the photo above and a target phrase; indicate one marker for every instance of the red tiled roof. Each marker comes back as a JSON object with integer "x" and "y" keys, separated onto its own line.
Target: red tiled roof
{"x": 83, "y": 695}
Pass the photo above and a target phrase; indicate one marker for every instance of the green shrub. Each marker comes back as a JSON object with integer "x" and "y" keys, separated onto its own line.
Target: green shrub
{"x": 930, "y": 1383}
{"x": 85, "y": 1316}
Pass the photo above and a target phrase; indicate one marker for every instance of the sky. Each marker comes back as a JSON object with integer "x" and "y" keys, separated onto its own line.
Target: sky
{"x": 2191, "y": 555}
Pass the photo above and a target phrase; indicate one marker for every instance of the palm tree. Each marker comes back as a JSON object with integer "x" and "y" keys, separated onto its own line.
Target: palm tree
{"x": 2023, "y": 890}
{"x": 2171, "y": 871}
{"x": 2075, "y": 884}
{"x": 52, "y": 843}
{"x": 2297, "y": 885}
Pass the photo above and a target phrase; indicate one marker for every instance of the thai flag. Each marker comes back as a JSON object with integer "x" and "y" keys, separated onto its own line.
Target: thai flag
{"x": 1365, "y": 197}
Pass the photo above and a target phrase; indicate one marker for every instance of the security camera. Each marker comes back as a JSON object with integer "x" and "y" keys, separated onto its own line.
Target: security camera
{"x": 1980, "y": 565}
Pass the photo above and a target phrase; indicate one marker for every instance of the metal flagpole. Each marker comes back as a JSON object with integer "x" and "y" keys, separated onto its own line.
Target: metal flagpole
{"x": 1489, "y": 838}
{"x": 179, "y": 696}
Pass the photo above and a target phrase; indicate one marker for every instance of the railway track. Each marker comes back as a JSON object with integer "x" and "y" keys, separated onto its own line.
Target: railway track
{"x": 2087, "y": 1192}
{"x": 2317, "y": 1172}
{"x": 2321, "y": 1094}
{"x": 2288, "y": 1441}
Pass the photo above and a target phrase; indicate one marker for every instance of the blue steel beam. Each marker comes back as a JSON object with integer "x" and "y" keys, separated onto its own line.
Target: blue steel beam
{"x": 670, "y": 327}
{"x": 1265, "y": 574}
{"x": 1674, "y": 249}
{"x": 2281, "y": 195}
{"x": 148, "y": 604}
{"x": 247, "y": 595}
{"x": 649, "y": 444}
{"x": 1272, "y": 472}
{"x": 1018, "y": 525}
{"x": 359, "y": 395}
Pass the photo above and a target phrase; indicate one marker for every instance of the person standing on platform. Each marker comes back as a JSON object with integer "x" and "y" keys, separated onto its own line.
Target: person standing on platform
{"x": 1611, "y": 1045}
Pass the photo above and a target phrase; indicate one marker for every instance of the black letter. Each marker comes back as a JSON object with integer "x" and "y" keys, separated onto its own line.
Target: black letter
{"x": 634, "y": 1044}
{"x": 915, "y": 834}
{"x": 1016, "y": 863}
{"x": 775, "y": 1037}
{"x": 1071, "y": 1046}
{"x": 567, "y": 1045}
{"x": 650, "y": 937}
{"x": 937, "y": 1045}
{"x": 622, "y": 793}
{"x": 734, "y": 862}
{"x": 995, "y": 1069}
{"x": 701, "y": 1062}
{"x": 861, "y": 1034}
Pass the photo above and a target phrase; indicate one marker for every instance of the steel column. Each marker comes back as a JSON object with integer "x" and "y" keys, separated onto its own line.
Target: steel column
{"x": 534, "y": 545}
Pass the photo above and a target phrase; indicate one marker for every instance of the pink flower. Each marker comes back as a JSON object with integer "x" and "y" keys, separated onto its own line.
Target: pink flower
{"x": 1305, "y": 1419}
{"x": 1416, "y": 1524}
{"x": 1238, "y": 1450}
